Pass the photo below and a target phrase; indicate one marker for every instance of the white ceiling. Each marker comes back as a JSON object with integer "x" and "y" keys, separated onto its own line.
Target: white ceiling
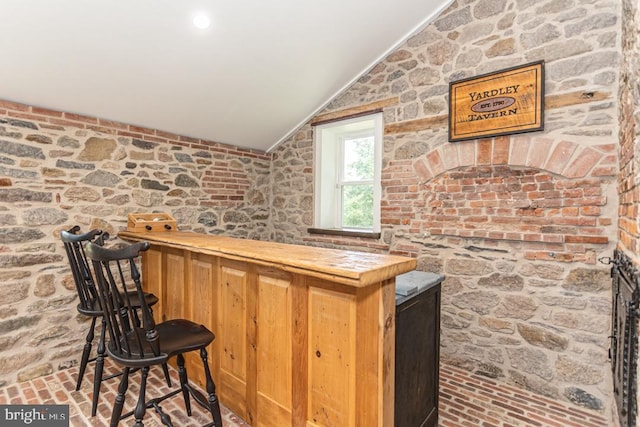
{"x": 262, "y": 68}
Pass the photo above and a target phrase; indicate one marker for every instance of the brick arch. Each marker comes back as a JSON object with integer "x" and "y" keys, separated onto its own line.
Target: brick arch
{"x": 560, "y": 157}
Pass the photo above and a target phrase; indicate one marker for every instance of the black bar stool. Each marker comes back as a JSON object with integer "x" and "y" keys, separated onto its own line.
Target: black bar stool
{"x": 89, "y": 305}
{"x": 141, "y": 346}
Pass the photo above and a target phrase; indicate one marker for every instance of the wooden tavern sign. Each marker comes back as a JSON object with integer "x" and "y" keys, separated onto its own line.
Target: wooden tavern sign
{"x": 499, "y": 103}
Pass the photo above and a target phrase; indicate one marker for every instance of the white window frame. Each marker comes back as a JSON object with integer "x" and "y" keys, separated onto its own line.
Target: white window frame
{"x": 328, "y": 142}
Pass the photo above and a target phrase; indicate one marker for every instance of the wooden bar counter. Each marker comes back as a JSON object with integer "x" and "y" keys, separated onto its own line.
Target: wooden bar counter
{"x": 304, "y": 335}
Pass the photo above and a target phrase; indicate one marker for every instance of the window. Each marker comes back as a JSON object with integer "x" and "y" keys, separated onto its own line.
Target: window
{"x": 347, "y": 174}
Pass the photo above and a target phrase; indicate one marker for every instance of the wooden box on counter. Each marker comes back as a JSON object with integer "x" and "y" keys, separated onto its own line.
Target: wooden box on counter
{"x": 150, "y": 222}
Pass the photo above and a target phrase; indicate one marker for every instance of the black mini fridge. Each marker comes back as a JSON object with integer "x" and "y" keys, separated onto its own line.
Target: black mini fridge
{"x": 417, "y": 349}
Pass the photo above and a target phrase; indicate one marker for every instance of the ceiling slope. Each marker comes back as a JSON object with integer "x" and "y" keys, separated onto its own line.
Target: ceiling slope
{"x": 261, "y": 70}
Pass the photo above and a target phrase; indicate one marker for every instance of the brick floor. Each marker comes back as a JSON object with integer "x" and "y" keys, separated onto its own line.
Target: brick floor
{"x": 466, "y": 400}
{"x": 59, "y": 388}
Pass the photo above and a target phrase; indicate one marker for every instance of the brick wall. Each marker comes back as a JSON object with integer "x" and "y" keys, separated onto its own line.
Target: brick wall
{"x": 629, "y": 104}
{"x": 59, "y": 169}
{"x": 516, "y": 223}
{"x": 547, "y": 194}
{"x": 629, "y": 133}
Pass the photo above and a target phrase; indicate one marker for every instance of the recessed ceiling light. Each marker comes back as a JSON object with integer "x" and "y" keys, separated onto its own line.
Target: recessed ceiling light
{"x": 202, "y": 21}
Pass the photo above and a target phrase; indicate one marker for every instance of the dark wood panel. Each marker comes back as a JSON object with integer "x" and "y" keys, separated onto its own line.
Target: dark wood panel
{"x": 417, "y": 360}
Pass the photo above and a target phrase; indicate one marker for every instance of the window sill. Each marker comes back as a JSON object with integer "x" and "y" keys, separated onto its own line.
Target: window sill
{"x": 345, "y": 232}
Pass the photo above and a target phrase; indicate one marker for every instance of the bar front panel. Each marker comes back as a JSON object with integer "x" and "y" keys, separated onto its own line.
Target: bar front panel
{"x": 291, "y": 349}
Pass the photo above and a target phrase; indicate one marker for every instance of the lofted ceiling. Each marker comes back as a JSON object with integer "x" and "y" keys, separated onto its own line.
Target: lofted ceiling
{"x": 258, "y": 72}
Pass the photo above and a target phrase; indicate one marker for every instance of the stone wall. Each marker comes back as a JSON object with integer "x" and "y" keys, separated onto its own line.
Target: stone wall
{"x": 58, "y": 170}
{"x": 515, "y": 223}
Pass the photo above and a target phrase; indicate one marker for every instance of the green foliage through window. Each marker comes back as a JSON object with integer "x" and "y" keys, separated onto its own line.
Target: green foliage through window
{"x": 357, "y": 206}
{"x": 357, "y": 188}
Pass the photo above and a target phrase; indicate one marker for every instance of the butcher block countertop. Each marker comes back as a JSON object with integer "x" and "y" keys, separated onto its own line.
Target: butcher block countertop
{"x": 358, "y": 269}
